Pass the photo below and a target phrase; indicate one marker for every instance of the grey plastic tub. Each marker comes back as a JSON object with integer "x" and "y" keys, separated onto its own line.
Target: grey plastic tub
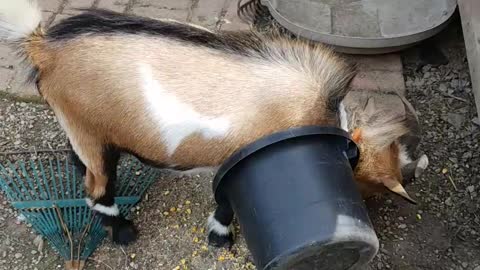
{"x": 363, "y": 26}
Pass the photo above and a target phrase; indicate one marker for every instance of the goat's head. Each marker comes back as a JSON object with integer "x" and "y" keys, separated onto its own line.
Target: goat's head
{"x": 379, "y": 169}
{"x": 387, "y": 131}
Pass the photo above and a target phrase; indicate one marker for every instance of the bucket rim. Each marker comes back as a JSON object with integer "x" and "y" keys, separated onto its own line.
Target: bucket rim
{"x": 276, "y": 137}
{"x": 370, "y": 249}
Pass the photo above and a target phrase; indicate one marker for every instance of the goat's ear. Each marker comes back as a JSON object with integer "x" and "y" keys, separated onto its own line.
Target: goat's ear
{"x": 414, "y": 169}
{"x": 357, "y": 135}
{"x": 396, "y": 187}
{"x": 422, "y": 164}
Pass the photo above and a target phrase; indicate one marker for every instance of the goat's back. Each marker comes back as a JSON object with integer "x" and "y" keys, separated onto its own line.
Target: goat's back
{"x": 171, "y": 98}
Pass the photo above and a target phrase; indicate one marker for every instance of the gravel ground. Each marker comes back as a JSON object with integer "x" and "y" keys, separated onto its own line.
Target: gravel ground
{"x": 441, "y": 232}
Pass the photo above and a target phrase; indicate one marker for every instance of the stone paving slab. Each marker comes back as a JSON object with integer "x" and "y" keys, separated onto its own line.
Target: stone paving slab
{"x": 382, "y": 72}
{"x": 208, "y": 13}
{"x": 71, "y": 6}
{"x": 379, "y": 73}
{"x": 47, "y": 18}
{"x": 6, "y": 66}
{"x": 50, "y": 5}
{"x": 115, "y": 5}
{"x": 377, "y": 80}
{"x": 162, "y": 13}
{"x": 164, "y": 4}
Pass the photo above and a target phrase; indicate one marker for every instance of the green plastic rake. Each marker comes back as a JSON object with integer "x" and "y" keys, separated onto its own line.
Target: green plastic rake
{"x": 49, "y": 192}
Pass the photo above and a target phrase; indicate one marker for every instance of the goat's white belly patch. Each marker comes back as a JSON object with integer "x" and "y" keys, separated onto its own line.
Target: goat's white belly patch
{"x": 177, "y": 120}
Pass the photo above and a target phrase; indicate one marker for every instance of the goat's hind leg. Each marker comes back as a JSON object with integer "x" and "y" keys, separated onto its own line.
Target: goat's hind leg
{"x": 220, "y": 228}
{"x": 100, "y": 184}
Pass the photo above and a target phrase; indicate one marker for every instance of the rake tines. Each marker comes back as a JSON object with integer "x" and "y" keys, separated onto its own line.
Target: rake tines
{"x": 49, "y": 193}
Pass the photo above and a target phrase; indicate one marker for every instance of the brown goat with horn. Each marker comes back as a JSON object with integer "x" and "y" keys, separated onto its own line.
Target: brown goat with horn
{"x": 180, "y": 96}
{"x": 386, "y": 129}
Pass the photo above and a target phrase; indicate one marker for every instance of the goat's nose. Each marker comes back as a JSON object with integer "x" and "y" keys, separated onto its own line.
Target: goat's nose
{"x": 408, "y": 173}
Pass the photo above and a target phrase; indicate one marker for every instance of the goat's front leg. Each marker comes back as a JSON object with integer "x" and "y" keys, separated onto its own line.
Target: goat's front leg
{"x": 220, "y": 228}
{"x": 100, "y": 185}
{"x": 74, "y": 159}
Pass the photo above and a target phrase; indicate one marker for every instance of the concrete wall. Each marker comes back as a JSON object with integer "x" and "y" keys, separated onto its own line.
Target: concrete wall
{"x": 470, "y": 14}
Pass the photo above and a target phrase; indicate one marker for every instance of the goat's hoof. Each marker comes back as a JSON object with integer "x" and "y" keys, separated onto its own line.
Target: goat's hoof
{"x": 125, "y": 233}
{"x": 219, "y": 241}
{"x": 121, "y": 230}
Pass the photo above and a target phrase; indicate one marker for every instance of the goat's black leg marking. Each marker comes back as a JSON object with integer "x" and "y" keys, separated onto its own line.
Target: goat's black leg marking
{"x": 122, "y": 231}
{"x": 75, "y": 160}
{"x": 220, "y": 228}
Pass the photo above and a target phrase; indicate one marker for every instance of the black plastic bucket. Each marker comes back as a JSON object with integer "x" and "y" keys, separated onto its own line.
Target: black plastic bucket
{"x": 296, "y": 201}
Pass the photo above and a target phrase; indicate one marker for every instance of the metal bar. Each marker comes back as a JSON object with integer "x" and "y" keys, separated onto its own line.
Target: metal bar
{"x": 45, "y": 181}
{"x": 29, "y": 181}
{"x": 54, "y": 182}
{"x": 26, "y": 194}
{"x": 151, "y": 177}
{"x": 62, "y": 190}
{"x": 69, "y": 183}
{"x": 35, "y": 151}
{"x": 41, "y": 189}
{"x": 12, "y": 194}
{"x": 67, "y": 203}
{"x": 60, "y": 233}
{"x": 74, "y": 180}
{"x": 42, "y": 223}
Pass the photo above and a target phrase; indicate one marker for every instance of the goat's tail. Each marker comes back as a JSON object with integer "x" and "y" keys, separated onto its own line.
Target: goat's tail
{"x": 20, "y": 25}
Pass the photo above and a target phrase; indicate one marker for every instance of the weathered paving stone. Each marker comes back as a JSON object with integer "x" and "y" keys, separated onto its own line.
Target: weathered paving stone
{"x": 47, "y": 18}
{"x": 379, "y": 72}
{"x": 50, "y": 5}
{"x": 164, "y": 4}
{"x": 60, "y": 17}
{"x": 161, "y": 13}
{"x": 72, "y": 5}
{"x": 207, "y": 13}
{"x": 114, "y": 5}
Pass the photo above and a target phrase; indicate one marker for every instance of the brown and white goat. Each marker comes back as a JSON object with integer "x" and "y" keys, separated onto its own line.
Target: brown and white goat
{"x": 175, "y": 95}
{"x": 386, "y": 128}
